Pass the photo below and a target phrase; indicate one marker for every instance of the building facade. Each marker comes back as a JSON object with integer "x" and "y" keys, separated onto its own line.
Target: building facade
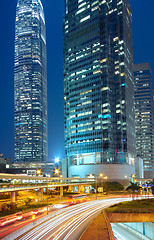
{"x": 98, "y": 86}
{"x": 5, "y": 164}
{"x": 139, "y": 173}
{"x": 144, "y": 116}
{"x": 30, "y": 84}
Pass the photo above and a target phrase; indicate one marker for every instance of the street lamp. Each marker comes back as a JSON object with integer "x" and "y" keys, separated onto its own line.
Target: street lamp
{"x": 133, "y": 178}
{"x": 57, "y": 165}
{"x": 101, "y": 176}
{"x": 57, "y": 160}
{"x": 96, "y": 181}
{"x": 56, "y": 171}
{"x": 47, "y": 195}
{"x": 38, "y": 172}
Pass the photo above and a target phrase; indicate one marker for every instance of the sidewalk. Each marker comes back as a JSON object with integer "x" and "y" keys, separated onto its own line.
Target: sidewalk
{"x": 98, "y": 230}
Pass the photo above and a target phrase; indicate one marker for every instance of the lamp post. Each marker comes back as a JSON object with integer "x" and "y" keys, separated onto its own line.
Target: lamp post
{"x": 57, "y": 172}
{"x": 133, "y": 185}
{"x": 57, "y": 160}
{"x": 38, "y": 172}
{"x": 47, "y": 196}
{"x": 100, "y": 176}
{"x": 133, "y": 178}
{"x": 96, "y": 186}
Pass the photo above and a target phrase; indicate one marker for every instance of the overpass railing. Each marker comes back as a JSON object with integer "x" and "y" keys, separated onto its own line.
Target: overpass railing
{"x": 14, "y": 181}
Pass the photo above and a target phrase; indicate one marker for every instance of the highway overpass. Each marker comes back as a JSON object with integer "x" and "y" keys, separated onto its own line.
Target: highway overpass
{"x": 14, "y": 183}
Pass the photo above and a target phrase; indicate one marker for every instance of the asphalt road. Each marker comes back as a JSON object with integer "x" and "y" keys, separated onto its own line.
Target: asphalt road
{"x": 8, "y": 229}
{"x": 70, "y": 223}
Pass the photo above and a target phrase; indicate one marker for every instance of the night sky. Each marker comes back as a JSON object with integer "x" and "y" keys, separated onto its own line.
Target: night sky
{"x": 143, "y": 41}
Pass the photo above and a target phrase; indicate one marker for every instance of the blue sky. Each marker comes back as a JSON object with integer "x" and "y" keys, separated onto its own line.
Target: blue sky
{"x": 143, "y": 41}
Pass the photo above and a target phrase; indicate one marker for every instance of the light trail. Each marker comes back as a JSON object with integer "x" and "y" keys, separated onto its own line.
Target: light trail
{"x": 78, "y": 221}
{"x": 58, "y": 219}
{"x": 68, "y": 213}
{"x": 65, "y": 225}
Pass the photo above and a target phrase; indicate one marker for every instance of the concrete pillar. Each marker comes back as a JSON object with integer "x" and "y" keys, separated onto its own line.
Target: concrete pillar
{"x": 42, "y": 191}
{"x": 61, "y": 191}
{"x": 41, "y": 194}
{"x": 88, "y": 189}
{"x": 70, "y": 188}
{"x": 13, "y": 197}
{"x": 82, "y": 190}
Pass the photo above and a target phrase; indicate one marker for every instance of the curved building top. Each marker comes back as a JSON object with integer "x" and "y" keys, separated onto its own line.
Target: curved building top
{"x": 27, "y": 6}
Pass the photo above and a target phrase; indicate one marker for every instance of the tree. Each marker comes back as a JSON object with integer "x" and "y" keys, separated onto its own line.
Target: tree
{"x": 133, "y": 187}
{"x": 111, "y": 186}
{"x": 8, "y": 207}
{"x": 27, "y": 201}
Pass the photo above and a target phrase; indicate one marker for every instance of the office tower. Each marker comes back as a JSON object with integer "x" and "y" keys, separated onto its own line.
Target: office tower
{"x": 98, "y": 88}
{"x": 30, "y": 84}
{"x": 144, "y": 116}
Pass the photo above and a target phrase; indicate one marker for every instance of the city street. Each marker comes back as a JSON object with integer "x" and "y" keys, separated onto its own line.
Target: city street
{"x": 8, "y": 229}
{"x": 70, "y": 223}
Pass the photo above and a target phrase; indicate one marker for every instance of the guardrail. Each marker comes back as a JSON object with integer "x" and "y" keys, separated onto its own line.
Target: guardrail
{"x": 111, "y": 235}
{"x": 20, "y": 188}
{"x": 37, "y": 178}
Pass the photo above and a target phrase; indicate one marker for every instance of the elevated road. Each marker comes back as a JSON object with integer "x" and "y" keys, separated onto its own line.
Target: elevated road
{"x": 14, "y": 182}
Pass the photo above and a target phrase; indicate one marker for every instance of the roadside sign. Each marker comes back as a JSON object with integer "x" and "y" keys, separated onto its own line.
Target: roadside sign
{"x": 100, "y": 189}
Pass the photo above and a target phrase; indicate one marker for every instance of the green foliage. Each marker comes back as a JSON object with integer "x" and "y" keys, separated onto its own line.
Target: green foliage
{"x": 11, "y": 208}
{"x": 112, "y": 186}
{"x": 27, "y": 201}
{"x": 136, "y": 206}
{"x": 8, "y": 208}
{"x": 133, "y": 187}
{"x": 109, "y": 186}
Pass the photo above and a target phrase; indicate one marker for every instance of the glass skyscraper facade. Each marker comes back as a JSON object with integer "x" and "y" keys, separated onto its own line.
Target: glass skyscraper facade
{"x": 144, "y": 116}
{"x": 30, "y": 83}
{"x": 98, "y": 83}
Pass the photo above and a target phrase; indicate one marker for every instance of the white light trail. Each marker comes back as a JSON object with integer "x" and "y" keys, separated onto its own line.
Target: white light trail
{"x": 63, "y": 225}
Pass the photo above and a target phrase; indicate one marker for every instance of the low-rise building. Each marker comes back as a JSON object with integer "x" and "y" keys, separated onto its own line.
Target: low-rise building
{"x": 5, "y": 163}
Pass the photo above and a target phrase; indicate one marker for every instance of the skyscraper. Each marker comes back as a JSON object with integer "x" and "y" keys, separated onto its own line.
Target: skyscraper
{"x": 144, "y": 115}
{"x": 30, "y": 84}
{"x": 98, "y": 87}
